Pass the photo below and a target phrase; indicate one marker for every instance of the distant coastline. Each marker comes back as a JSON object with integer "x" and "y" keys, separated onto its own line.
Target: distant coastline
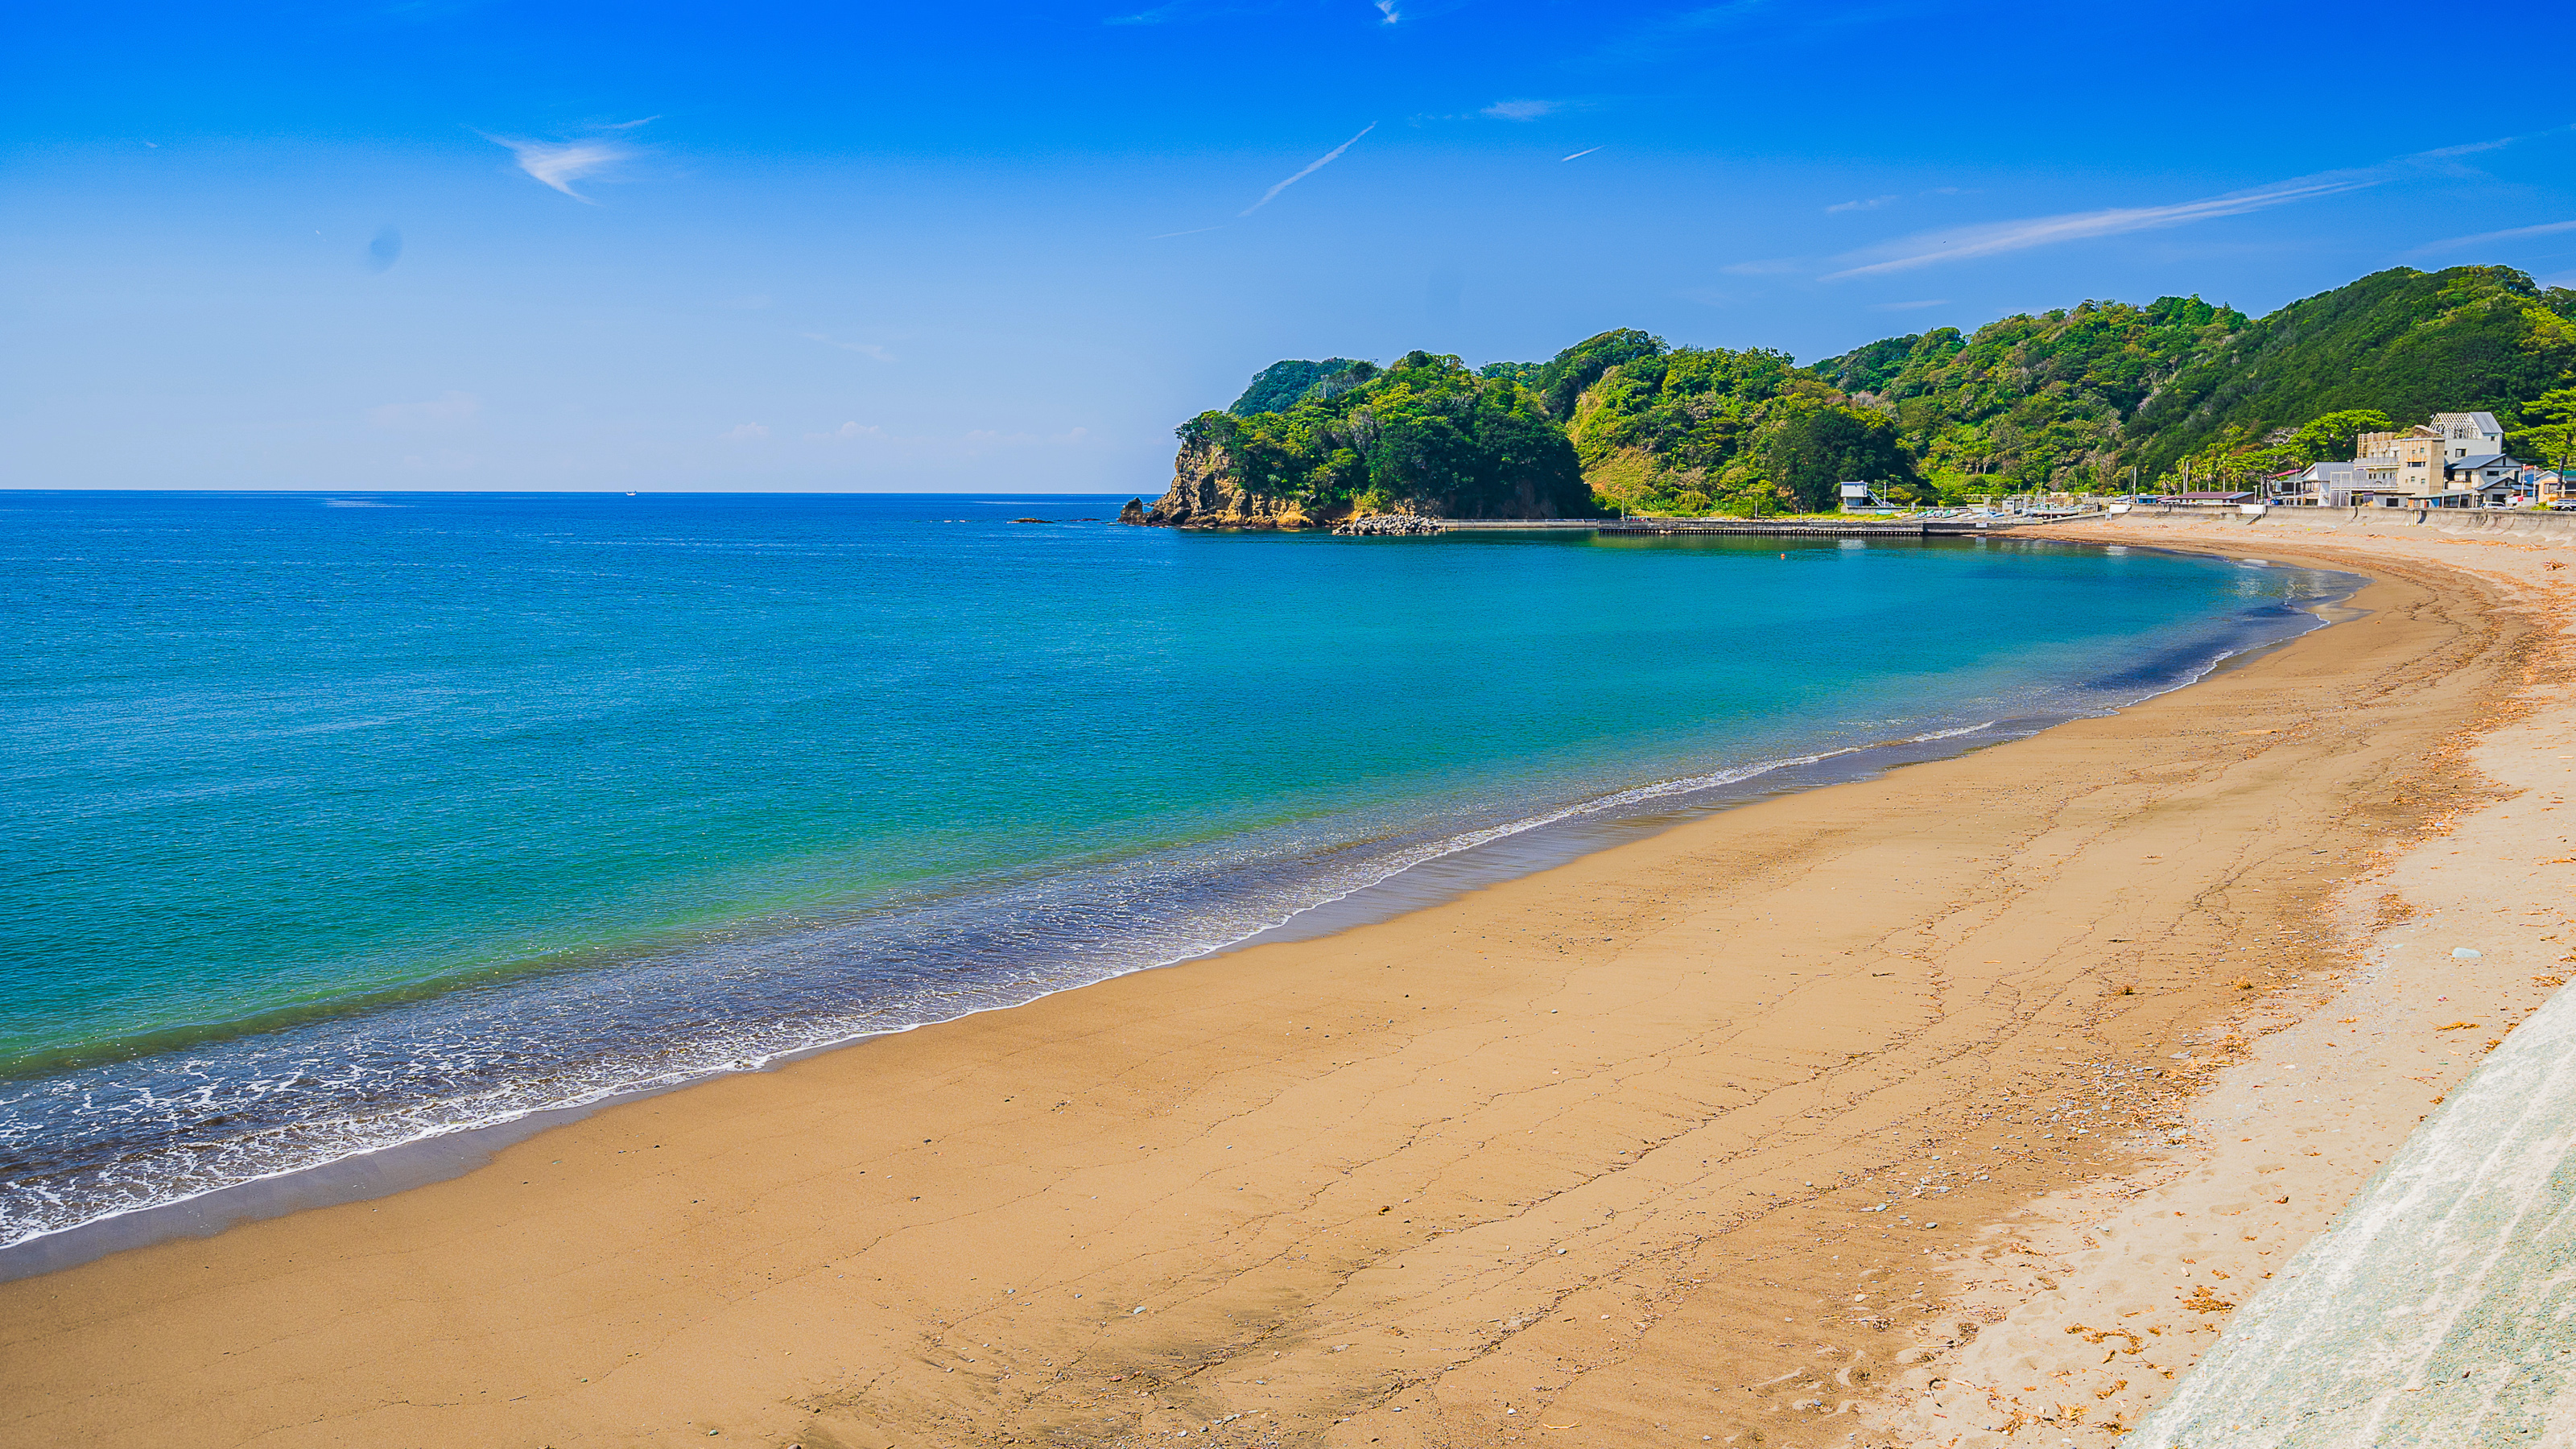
{"x": 2103, "y": 398}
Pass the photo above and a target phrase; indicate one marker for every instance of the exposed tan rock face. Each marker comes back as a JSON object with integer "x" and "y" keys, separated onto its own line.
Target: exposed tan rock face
{"x": 1206, "y": 494}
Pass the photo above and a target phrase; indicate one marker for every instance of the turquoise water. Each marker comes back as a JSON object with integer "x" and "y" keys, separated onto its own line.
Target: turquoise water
{"x": 334, "y": 823}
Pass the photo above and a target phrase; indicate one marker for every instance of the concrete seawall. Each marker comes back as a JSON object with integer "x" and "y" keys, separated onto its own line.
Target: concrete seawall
{"x": 2321, "y": 522}
{"x": 2543, "y": 528}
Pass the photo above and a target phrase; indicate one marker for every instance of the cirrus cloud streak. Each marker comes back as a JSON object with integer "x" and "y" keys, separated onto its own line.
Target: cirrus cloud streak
{"x": 1963, "y": 243}
{"x": 2516, "y": 233}
{"x": 1318, "y": 164}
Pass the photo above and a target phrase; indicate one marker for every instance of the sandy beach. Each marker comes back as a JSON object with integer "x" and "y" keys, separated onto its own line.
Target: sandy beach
{"x": 1951, "y": 1107}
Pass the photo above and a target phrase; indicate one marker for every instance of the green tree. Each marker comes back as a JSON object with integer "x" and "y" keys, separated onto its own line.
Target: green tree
{"x": 1425, "y": 434}
{"x": 2333, "y": 437}
{"x": 1873, "y": 365}
{"x": 1569, "y": 372}
{"x": 1673, "y": 432}
{"x": 2551, "y": 440}
{"x": 1277, "y": 388}
{"x": 1820, "y": 447}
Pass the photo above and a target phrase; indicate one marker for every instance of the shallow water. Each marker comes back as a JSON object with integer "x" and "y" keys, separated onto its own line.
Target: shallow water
{"x": 334, "y": 827}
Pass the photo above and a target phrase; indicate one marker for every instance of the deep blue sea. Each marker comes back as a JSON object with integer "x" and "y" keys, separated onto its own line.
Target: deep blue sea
{"x": 335, "y": 823}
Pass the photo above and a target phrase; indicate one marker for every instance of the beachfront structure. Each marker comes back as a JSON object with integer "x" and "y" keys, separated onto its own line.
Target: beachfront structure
{"x": 2455, "y": 461}
{"x": 2341, "y": 485}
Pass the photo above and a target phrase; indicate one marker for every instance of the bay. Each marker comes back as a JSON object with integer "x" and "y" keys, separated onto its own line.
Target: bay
{"x": 339, "y": 822}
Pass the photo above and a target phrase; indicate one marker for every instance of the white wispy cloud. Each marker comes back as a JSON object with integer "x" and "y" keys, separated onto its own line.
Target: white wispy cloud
{"x": 1193, "y": 231}
{"x": 847, "y": 433}
{"x": 745, "y": 433}
{"x": 561, "y": 163}
{"x": 2515, "y": 233}
{"x": 1155, "y": 16}
{"x": 1387, "y": 9}
{"x": 1580, "y": 154}
{"x": 1521, "y": 110}
{"x": 1958, "y": 244}
{"x": 1770, "y": 267}
{"x": 1318, "y": 164}
{"x": 1872, "y": 204}
{"x": 1995, "y": 238}
{"x": 1910, "y": 306}
{"x": 868, "y": 349}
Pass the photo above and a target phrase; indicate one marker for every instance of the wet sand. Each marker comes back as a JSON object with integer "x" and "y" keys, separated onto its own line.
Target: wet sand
{"x": 1695, "y": 1138}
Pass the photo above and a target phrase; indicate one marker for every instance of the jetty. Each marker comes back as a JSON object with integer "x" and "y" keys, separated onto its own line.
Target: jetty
{"x": 1757, "y": 527}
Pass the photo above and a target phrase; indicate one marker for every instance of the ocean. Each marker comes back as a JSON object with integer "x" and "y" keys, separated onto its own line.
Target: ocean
{"x": 338, "y": 823}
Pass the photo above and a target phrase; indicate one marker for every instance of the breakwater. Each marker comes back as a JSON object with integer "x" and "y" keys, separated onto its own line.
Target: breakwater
{"x": 1758, "y": 527}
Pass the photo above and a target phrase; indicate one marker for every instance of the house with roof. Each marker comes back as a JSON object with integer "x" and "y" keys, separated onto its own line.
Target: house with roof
{"x": 2455, "y": 461}
{"x": 2340, "y": 485}
{"x": 2468, "y": 435}
{"x": 2494, "y": 480}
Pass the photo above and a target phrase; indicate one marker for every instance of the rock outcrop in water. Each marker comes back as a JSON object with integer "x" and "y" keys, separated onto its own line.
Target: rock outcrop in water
{"x": 1388, "y": 525}
{"x": 1207, "y": 493}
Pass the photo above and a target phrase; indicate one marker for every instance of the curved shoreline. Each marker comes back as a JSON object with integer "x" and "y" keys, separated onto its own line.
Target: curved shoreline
{"x": 2281, "y": 1200}
{"x": 1476, "y": 859}
{"x": 1618, "y": 1078}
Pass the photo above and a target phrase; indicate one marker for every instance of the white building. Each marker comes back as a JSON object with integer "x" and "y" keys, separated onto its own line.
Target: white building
{"x": 2468, "y": 435}
{"x": 2455, "y": 461}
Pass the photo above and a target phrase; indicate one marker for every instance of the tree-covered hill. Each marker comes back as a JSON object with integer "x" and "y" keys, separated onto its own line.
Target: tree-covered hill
{"x": 2073, "y": 399}
{"x": 2401, "y": 342}
{"x": 2034, "y": 400}
{"x": 1277, "y": 388}
{"x": 1690, "y": 429}
{"x": 1425, "y": 435}
{"x": 1620, "y": 420}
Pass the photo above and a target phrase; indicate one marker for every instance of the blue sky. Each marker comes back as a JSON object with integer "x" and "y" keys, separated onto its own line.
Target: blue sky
{"x": 457, "y": 244}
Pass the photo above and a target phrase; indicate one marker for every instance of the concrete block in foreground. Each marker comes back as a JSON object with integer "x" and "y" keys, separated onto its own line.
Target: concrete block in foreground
{"x": 2440, "y": 1308}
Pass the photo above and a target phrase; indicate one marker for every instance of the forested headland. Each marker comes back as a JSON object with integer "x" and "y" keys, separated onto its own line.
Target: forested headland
{"x": 2081, "y": 399}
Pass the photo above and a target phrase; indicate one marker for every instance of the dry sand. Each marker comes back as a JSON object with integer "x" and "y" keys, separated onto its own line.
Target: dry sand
{"x": 2093, "y": 1301}
{"x": 1713, "y": 1137}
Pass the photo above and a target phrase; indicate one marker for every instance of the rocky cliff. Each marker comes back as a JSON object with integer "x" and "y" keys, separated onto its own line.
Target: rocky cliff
{"x": 1206, "y": 494}
{"x": 1425, "y": 437}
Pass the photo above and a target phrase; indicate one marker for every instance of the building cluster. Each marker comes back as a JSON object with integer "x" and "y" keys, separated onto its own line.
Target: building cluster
{"x": 2455, "y": 461}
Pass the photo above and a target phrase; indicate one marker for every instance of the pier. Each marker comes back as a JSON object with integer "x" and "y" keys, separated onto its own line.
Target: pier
{"x": 1756, "y": 527}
